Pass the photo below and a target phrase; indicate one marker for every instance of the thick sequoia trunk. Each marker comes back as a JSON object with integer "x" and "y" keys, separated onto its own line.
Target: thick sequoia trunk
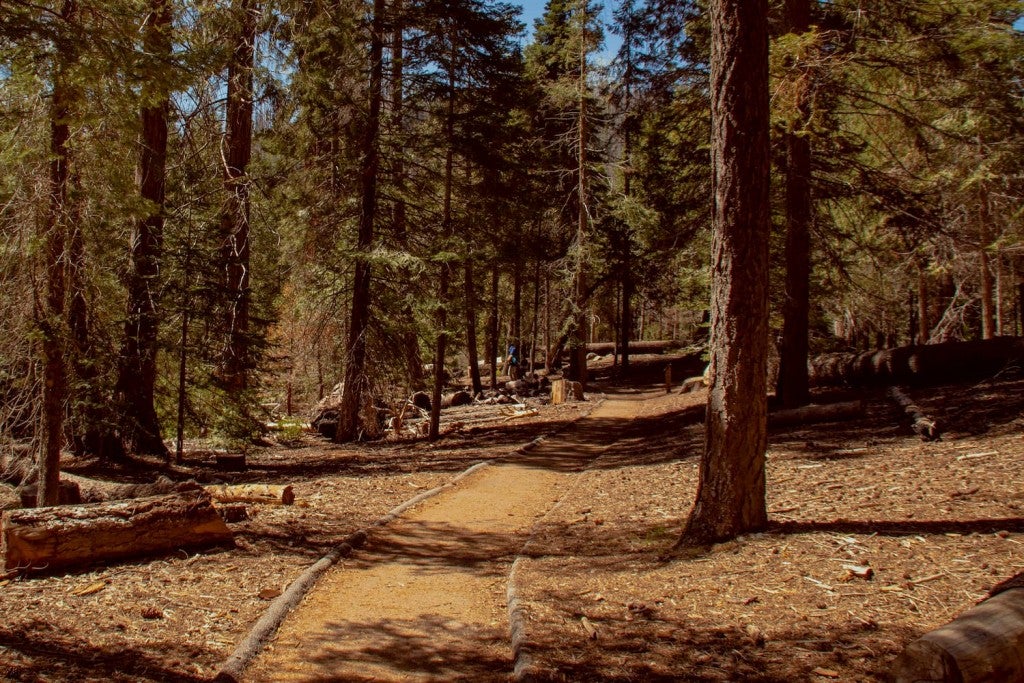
{"x": 792, "y": 388}
{"x": 234, "y": 222}
{"x": 69, "y": 536}
{"x": 731, "y": 491}
{"x": 918, "y": 365}
{"x": 137, "y": 372}
{"x": 356, "y": 381}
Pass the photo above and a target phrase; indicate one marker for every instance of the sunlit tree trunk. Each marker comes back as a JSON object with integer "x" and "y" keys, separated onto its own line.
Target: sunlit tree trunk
{"x": 731, "y": 491}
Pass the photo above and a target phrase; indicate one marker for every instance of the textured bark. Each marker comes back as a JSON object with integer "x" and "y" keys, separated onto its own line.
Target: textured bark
{"x": 138, "y": 367}
{"x": 234, "y": 222}
{"x": 270, "y": 494}
{"x": 356, "y": 381}
{"x": 792, "y": 388}
{"x": 69, "y": 536}
{"x": 918, "y": 365}
{"x": 55, "y": 238}
{"x": 731, "y": 491}
{"x": 982, "y": 644}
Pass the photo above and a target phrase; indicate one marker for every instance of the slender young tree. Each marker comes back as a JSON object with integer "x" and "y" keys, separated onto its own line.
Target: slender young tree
{"x": 138, "y": 369}
{"x": 731, "y": 492}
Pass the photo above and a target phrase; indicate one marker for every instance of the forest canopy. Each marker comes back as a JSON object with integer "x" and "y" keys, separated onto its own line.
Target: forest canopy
{"x": 213, "y": 209}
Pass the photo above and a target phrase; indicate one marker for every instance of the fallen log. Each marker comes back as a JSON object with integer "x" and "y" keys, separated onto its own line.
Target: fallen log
{"x": 73, "y": 535}
{"x": 271, "y": 494}
{"x": 829, "y": 412}
{"x": 68, "y": 493}
{"x": 923, "y": 426}
{"x": 918, "y": 365}
{"x": 985, "y": 643}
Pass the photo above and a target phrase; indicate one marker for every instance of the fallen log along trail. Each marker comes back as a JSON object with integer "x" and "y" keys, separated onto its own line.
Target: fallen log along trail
{"x": 431, "y": 596}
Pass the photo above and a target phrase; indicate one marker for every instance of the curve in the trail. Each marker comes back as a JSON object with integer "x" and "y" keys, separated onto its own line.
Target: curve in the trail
{"x": 426, "y": 599}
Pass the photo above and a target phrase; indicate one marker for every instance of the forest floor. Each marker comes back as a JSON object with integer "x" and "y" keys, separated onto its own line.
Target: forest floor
{"x": 939, "y": 524}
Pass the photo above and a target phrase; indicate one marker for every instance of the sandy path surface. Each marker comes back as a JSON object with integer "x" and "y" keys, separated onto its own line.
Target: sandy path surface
{"x": 425, "y": 599}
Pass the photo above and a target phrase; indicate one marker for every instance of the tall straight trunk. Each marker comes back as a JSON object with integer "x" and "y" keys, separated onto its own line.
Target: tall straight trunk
{"x": 50, "y": 318}
{"x": 731, "y": 490}
{"x": 577, "y": 344}
{"x": 410, "y": 340}
{"x": 547, "y": 320}
{"x": 469, "y": 292}
{"x": 515, "y": 333}
{"x": 356, "y": 383}
{"x": 793, "y": 387}
{"x": 536, "y": 316}
{"x": 234, "y": 222}
{"x": 626, "y": 319}
{"x": 441, "y": 315}
{"x": 137, "y": 372}
{"x": 492, "y": 325}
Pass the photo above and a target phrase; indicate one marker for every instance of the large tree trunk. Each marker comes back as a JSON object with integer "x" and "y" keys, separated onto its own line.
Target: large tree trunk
{"x": 50, "y": 319}
{"x": 356, "y": 381}
{"x": 137, "y": 372}
{"x": 731, "y": 490}
{"x": 792, "y": 388}
{"x": 234, "y": 221}
{"x": 69, "y": 536}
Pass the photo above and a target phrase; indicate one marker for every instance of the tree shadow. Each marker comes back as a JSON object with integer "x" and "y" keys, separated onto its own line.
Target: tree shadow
{"x": 908, "y": 527}
{"x": 50, "y": 655}
{"x": 656, "y": 645}
{"x": 427, "y": 646}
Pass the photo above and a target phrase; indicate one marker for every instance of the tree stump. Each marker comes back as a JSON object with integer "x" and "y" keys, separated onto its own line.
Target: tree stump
{"x": 73, "y": 535}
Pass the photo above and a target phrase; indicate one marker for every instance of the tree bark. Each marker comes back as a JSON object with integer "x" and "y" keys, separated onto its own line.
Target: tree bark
{"x": 792, "y": 388}
{"x": 469, "y": 292}
{"x": 234, "y": 222}
{"x": 441, "y": 315}
{"x": 578, "y": 328}
{"x": 492, "y": 326}
{"x": 69, "y": 536}
{"x": 731, "y": 491}
{"x": 356, "y": 381}
{"x": 138, "y": 367}
{"x": 50, "y": 319}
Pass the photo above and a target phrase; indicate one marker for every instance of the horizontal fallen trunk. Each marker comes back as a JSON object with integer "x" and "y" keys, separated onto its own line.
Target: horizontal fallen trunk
{"x": 918, "y": 365}
{"x": 637, "y": 347}
{"x": 847, "y": 410}
{"x": 73, "y": 535}
{"x": 271, "y": 494}
{"x": 922, "y": 424}
{"x": 985, "y": 643}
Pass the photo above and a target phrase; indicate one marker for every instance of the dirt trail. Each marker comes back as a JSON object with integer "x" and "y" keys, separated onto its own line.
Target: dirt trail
{"x": 425, "y": 599}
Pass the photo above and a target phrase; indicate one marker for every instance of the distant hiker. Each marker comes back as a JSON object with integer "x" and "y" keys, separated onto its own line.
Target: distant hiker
{"x": 512, "y": 362}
